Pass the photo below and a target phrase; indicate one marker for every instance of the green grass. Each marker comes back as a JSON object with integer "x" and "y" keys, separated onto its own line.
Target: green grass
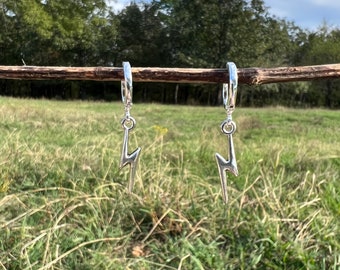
{"x": 64, "y": 203}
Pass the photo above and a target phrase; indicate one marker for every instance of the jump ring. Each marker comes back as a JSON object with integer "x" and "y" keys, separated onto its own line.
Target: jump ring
{"x": 228, "y": 127}
{"x": 128, "y": 122}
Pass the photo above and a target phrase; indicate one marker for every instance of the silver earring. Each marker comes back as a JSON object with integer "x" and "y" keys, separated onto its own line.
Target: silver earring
{"x": 228, "y": 127}
{"x": 128, "y": 123}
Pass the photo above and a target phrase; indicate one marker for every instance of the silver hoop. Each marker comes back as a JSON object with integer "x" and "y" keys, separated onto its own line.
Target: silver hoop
{"x": 126, "y": 85}
{"x": 230, "y": 89}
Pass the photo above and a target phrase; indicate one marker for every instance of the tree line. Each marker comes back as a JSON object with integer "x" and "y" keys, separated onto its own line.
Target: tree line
{"x": 164, "y": 33}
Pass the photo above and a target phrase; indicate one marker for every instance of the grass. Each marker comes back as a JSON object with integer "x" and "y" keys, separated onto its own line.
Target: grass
{"x": 64, "y": 204}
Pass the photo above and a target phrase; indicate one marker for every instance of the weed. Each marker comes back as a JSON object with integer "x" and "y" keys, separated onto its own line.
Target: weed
{"x": 64, "y": 203}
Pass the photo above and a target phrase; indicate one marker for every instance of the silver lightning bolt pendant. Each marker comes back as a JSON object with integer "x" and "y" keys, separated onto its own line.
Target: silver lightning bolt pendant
{"x": 227, "y": 165}
{"x": 126, "y": 158}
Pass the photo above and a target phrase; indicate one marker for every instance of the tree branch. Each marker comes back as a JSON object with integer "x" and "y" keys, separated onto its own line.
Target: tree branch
{"x": 250, "y": 76}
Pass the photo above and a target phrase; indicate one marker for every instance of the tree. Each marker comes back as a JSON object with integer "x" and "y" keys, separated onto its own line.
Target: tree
{"x": 141, "y": 36}
{"x": 208, "y": 33}
{"x": 322, "y": 47}
{"x": 59, "y": 32}
{"x": 172, "y": 33}
{"x": 9, "y": 33}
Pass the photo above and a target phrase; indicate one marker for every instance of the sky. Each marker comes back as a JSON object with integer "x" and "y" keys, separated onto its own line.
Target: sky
{"x": 307, "y": 14}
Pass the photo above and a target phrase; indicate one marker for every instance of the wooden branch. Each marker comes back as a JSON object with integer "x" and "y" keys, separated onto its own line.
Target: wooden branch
{"x": 250, "y": 76}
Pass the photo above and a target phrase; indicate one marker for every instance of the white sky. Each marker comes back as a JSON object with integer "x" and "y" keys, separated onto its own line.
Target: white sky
{"x": 308, "y": 14}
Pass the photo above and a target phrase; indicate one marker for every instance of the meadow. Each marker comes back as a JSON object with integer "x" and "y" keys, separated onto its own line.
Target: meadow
{"x": 64, "y": 202}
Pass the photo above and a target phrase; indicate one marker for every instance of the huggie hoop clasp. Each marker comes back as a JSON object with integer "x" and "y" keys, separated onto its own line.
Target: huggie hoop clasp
{"x": 126, "y": 88}
{"x": 230, "y": 89}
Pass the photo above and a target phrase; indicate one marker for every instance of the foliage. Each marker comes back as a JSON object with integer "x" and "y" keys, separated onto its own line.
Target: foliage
{"x": 168, "y": 33}
{"x": 60, "y": 32}
{"x": 141, "y": 36}
{"x": 64, "y": 203}
{"x": 222, "y": 26}
{"x": 322, "y": 48}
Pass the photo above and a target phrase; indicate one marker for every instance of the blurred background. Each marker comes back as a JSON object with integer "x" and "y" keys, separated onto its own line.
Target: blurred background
{"x": 171, "y": 33}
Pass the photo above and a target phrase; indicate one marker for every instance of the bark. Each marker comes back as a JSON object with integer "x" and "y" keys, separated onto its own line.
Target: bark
{"x": 250, "y": 76}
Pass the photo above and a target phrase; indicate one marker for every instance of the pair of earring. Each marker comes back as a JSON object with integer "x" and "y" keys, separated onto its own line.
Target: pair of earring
{"x": 228, "y": 127}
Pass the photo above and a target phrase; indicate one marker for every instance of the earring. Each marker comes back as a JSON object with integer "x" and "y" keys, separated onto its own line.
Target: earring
{"x": 228, "y": 127}
{"x": 128, "y": 123}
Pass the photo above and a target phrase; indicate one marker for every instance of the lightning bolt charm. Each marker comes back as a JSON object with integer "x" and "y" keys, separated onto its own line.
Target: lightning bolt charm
{"x": 227, "y": 165}
{"x": 126, "y": 158}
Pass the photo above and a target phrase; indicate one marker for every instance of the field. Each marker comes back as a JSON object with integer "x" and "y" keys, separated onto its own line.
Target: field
{"x": 64, "y": 202}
